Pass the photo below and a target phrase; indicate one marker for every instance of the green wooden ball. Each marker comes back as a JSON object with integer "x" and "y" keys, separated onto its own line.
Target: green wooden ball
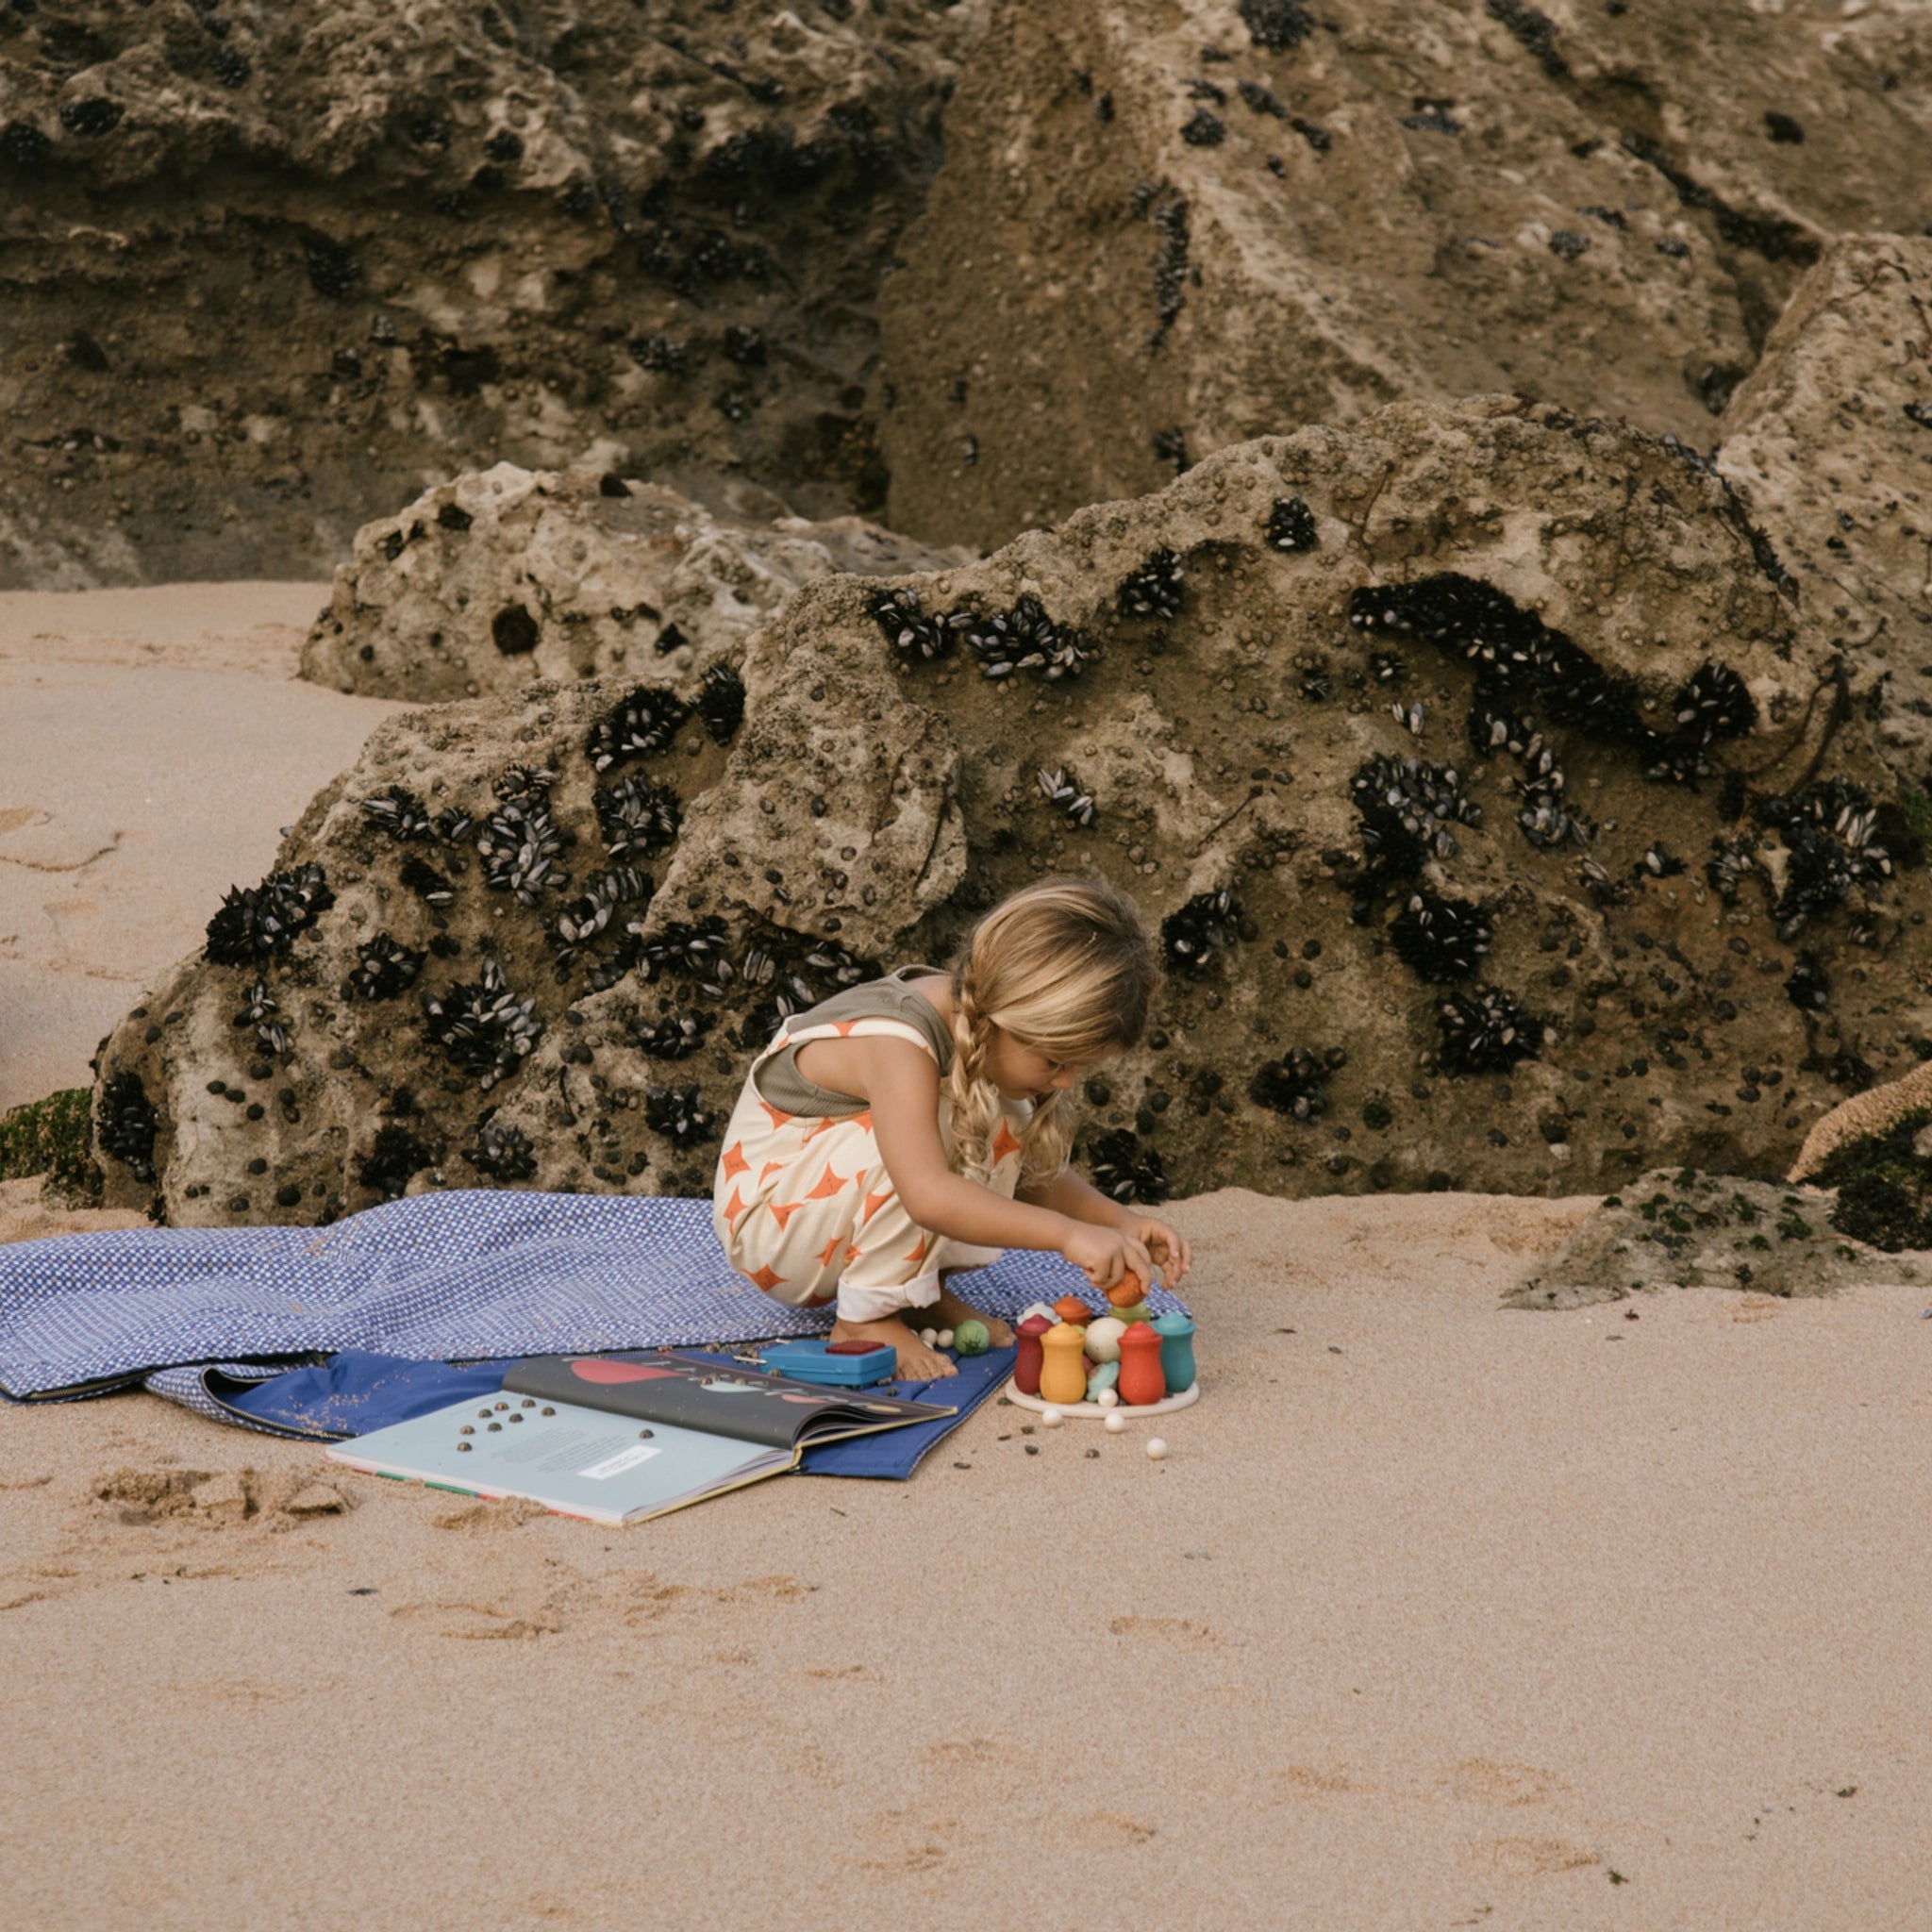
{"x": 970, "y": 1337}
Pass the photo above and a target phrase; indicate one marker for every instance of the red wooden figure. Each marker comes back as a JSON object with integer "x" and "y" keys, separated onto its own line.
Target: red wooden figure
{"x": 1027, "y": 1364}
{"x": 1141, "y": 1380}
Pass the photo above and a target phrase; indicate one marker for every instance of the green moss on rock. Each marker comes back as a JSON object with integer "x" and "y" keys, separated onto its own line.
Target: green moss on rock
{"x": 50, "y": 1137}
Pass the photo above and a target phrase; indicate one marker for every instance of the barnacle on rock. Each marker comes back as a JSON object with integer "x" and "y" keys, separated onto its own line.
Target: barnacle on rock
{"x": 1199, "y": 930}
{"x": 1296, "y": 1084}
{"x": 426, "y": 883}
{"x": 1154, "y": 589}
{"x": 1734, "y": 861}
{"x": 1407, "y": 806}
{"x": 399, "y": 812}
{"x": 637, "y": 817}
{"x": 673, "y": 1036}
{"x": 639, "y": 726}
{"x": 1807, "y": 989}
{"x": 686, "y": 949}
{"x": 1519, "y": 661}
{"x": 519, "y": 844}
{"x": 259, "y": 1007}
{"x": 677, "y": 1113}
{"x": 1022, "y": 639}
{"x": 907, "y": 628}
{"x": 721, "y": 702}
{"x": 1486, "y": 1032}
{"x": 1714, "y": 703}
{"x": 483, "y": 1027}
{"x": 525, "y": 782}
{"x": 393, "y": 1161}
{"x": 1831, "y": 833}
{"x": 125, "y": 1125}
{"x": 1602, "y": 886}
{"x": 384, "y": 969}
{"x": 1318, "y": 685}
{"x": 502, "y": 1151}
{"x": 1124, "y": 1169}
{"x": 261, "y": 921}
{"x": 1292, "y": 525}
{"x": 1064, "y": 794}
{"x": 1276, "y": 25}
{"x": 591, "y": 912}
{"x": 1442, "y": 940}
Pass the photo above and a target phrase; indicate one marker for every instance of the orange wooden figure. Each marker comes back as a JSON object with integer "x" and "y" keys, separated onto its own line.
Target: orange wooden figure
{"x": 1063, "y": 1374}
{"x": 1141, "y": 1381}
{"x": 1070, "y": 1308}
{"x": 1027, "y": 1364}
{"x": 1129, "y": 1291}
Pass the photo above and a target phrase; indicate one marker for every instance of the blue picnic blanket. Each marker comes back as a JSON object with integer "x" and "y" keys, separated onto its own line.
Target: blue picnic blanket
{"x": 355, "y": 1393}
{"x": 468, "y": 1275}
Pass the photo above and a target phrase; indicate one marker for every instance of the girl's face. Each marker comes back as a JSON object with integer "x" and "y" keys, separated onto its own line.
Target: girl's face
{"x": 1023, "y": 1072}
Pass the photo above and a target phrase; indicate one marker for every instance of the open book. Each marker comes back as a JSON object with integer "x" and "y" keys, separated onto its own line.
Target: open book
{"x": 619, "y": 1438}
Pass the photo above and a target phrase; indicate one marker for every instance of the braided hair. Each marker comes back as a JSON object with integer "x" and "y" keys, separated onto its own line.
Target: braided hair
{"x": 1064, "y": 967}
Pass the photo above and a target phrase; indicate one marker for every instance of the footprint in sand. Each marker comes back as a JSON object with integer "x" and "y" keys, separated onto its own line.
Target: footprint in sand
{"x": 1478, "y": 1781}
{"x": 1534, "y": 1858}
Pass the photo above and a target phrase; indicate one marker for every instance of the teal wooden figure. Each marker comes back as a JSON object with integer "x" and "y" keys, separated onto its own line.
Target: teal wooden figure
{"x": 1103, "y": 1376}
{"x": 1176, "y": 1333}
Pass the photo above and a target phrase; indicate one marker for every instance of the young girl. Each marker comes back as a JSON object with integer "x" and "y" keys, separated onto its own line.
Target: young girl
{"x": 912, "y": 1127}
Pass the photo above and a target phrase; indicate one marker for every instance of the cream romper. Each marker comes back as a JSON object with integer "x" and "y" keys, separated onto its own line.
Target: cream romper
{"x": 802, "y": 1202}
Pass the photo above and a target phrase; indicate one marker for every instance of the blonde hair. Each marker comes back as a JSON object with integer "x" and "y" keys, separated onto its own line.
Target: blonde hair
{"x": 1064, "y": 967}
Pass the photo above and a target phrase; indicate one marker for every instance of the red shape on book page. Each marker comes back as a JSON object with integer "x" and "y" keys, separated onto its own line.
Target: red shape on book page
{"x": 617, "y": 1371}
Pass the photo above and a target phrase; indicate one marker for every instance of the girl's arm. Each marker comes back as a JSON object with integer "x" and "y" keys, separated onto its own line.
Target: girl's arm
{"x": 903, "y": 1086}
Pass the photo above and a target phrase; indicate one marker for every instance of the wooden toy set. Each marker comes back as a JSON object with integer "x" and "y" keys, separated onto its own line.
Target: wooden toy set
{"x": 1123, "y": 1363}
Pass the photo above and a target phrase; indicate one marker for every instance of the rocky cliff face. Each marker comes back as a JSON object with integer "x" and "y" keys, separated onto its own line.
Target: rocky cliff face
{"x": 500, "y": 579}
{"x": 1507, "y": 823}
{"x": 1162, "y": 229}
{"x": 271, "y": 272}
{"x": 1830, "y": 443}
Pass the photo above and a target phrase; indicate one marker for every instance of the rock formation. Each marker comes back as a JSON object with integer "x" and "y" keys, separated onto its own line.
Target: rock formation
{"x": 272, "y": 272}
{"x": 1160, "y": 230}
{"x": 496, "y": 580}
{"x": 1829, "y": 441}
{"x": 1678, "y": 1229}
{"x": 1507, "y": 823}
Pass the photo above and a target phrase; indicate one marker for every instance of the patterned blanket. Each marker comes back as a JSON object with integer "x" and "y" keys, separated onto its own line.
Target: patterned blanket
{"x": 463, "y": 1275}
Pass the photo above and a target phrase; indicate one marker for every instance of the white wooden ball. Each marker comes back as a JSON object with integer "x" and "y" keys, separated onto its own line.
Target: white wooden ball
{"x": 1103, "y": 1344}
{"x": 1051, "y": 1418}
{"x": 928, "y": 1335}
{"x": 1156, "y": 1449}
{"x": 1107, "y": 1398}
{"x": 945, "y": 1337}
{"x": 1114, "y": 1422}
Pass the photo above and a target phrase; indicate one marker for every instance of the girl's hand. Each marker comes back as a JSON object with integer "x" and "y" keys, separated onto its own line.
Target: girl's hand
{"x": 1164, "y": 1244}
{"x": 1104, "y": 1253}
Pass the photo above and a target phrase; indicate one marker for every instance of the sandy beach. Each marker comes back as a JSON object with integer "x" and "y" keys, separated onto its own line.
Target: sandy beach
{"x": 152, "y": 742}
{"x": 1437, "y": 1615}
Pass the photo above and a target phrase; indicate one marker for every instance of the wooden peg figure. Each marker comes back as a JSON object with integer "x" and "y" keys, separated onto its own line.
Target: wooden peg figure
{"x": 1141, "y": 1381}
{"x": 1070, "y": 1308}
{"x": 1063, "y": 1373}
{"x": 1176, "y": 1332}
{"x": 1027, "y": 1364}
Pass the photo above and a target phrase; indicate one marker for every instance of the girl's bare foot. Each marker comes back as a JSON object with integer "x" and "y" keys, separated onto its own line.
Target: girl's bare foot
{"x": 917, "y": 1362}
{"x": 952, "y": 1311}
